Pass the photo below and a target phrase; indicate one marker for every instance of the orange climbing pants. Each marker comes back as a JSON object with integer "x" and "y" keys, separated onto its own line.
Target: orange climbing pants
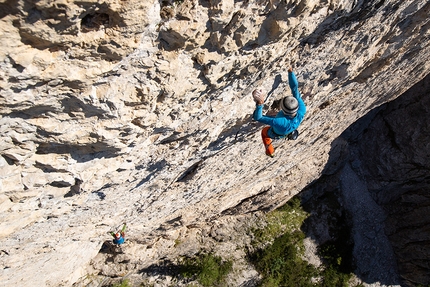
{"x": 267, "y": 141}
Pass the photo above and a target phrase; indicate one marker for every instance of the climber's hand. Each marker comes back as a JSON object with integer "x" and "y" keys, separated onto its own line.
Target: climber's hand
{"x": 258, "y": 96}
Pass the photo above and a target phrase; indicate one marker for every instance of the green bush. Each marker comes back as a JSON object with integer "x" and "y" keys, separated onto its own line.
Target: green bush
{"x": 124, "y": 283}
{"x": 285, "y": 219}
{"x": 209, "y": 270}
{"x": 280, "y": 263}
{"x": 331, "y": 277}
{"x": 279, "y": 252}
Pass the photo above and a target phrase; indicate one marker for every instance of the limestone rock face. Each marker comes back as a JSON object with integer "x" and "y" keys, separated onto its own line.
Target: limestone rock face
{"x": 140, "y": 111}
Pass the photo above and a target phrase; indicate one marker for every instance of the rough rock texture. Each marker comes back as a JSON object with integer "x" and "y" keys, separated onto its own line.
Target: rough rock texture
{"x": 397, "y": 144}
{"x": 376, "y": 184}
{"x": 139, "y": 111}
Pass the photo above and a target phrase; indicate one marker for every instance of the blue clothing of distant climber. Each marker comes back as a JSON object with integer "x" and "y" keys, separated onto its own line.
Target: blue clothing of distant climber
{"x": 119, "y": 237}
{"x": 287, "y": 120}
{"x": 119, "y": 240}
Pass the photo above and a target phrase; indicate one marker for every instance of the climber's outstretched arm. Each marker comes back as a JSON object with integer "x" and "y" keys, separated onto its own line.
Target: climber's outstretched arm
{"x": 294, "y": 86}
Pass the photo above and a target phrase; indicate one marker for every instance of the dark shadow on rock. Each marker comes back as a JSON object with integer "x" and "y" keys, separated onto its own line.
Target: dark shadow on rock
{"x": 47, "y": 168}
{"x": 372, "y": 194}
{"x": 170, "y": 40}
{"x": 33, "y": 112}
{"x": 177, "y": 137}
{"x": 99, "y": 14}
{"x": 270, "y": 31}
{"x": 17, "y": 83}
{"x": 250, "y": 283}
{"x": 203, "y": 68}
{"x": 75, "y": 189}
{"x": 153, "y": 169}
{"x": 18, "y": 88}
{"x": 165, "y": 267}
{"x": 109, "y": 51}
{"x": 93, "y": 21}
{"x": 69, "y": 104}
{"x": 234, "y": 133}
{"x": 100, "y": 194}
{"x": 205, "y": 3}
{"x": 172, "y": 224}
{"x": 94, "y": 17}
{"x": 9, "y": 7}
{"x": 16, "y": 66}
{"x": 250, "y": 204}
{"x": 81, "y": 153}
{"x": 54, "y": 16}
{"x": 72, "y": 104}
{"x": 189, "y": 173}
{"x": 60, "y": 183}
{"x": 39, "y": 43}
{"x": 110, "y": 248}
{"x": 275, "y": 85}
{"x": 342, "y": 18}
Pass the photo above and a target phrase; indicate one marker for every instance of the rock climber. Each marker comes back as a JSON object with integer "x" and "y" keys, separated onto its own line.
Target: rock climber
{"x": 119, "y": 237}
{"x": 286, "y": 121}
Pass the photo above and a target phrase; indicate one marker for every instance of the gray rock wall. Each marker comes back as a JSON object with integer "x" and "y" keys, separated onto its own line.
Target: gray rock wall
{"x": 395, "y": 153}
{"x": 139, "y": 111}
{"x": 375, "y": 186}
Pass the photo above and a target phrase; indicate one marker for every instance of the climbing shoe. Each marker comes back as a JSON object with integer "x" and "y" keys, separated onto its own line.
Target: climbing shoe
{"x": 293, "y": 135}
{"x": 270, "y": 154}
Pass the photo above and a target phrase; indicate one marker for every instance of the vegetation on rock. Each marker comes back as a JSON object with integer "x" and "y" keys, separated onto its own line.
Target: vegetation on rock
{"x": 208, "y": 269}
{"x": 281, "y": 261}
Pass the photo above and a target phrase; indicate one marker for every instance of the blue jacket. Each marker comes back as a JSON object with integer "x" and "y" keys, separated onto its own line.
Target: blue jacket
{"x": 120, "y": 240}
{"x": 282, "y": 125}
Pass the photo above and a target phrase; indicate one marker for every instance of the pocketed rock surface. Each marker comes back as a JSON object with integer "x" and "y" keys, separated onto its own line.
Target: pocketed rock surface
{"x": 140, "y": 112}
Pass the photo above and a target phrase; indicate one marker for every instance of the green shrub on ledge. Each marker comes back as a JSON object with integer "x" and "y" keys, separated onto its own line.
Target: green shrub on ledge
{"x": 279, "y": 249}
{"x": 210, "y": 270}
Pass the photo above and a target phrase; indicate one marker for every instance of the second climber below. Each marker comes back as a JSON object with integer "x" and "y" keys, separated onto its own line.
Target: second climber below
{"x": 286, "y": 121}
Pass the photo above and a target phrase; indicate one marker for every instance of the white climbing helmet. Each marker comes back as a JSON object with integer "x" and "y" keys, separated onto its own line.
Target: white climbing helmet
{"x": 289, "y": 105}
